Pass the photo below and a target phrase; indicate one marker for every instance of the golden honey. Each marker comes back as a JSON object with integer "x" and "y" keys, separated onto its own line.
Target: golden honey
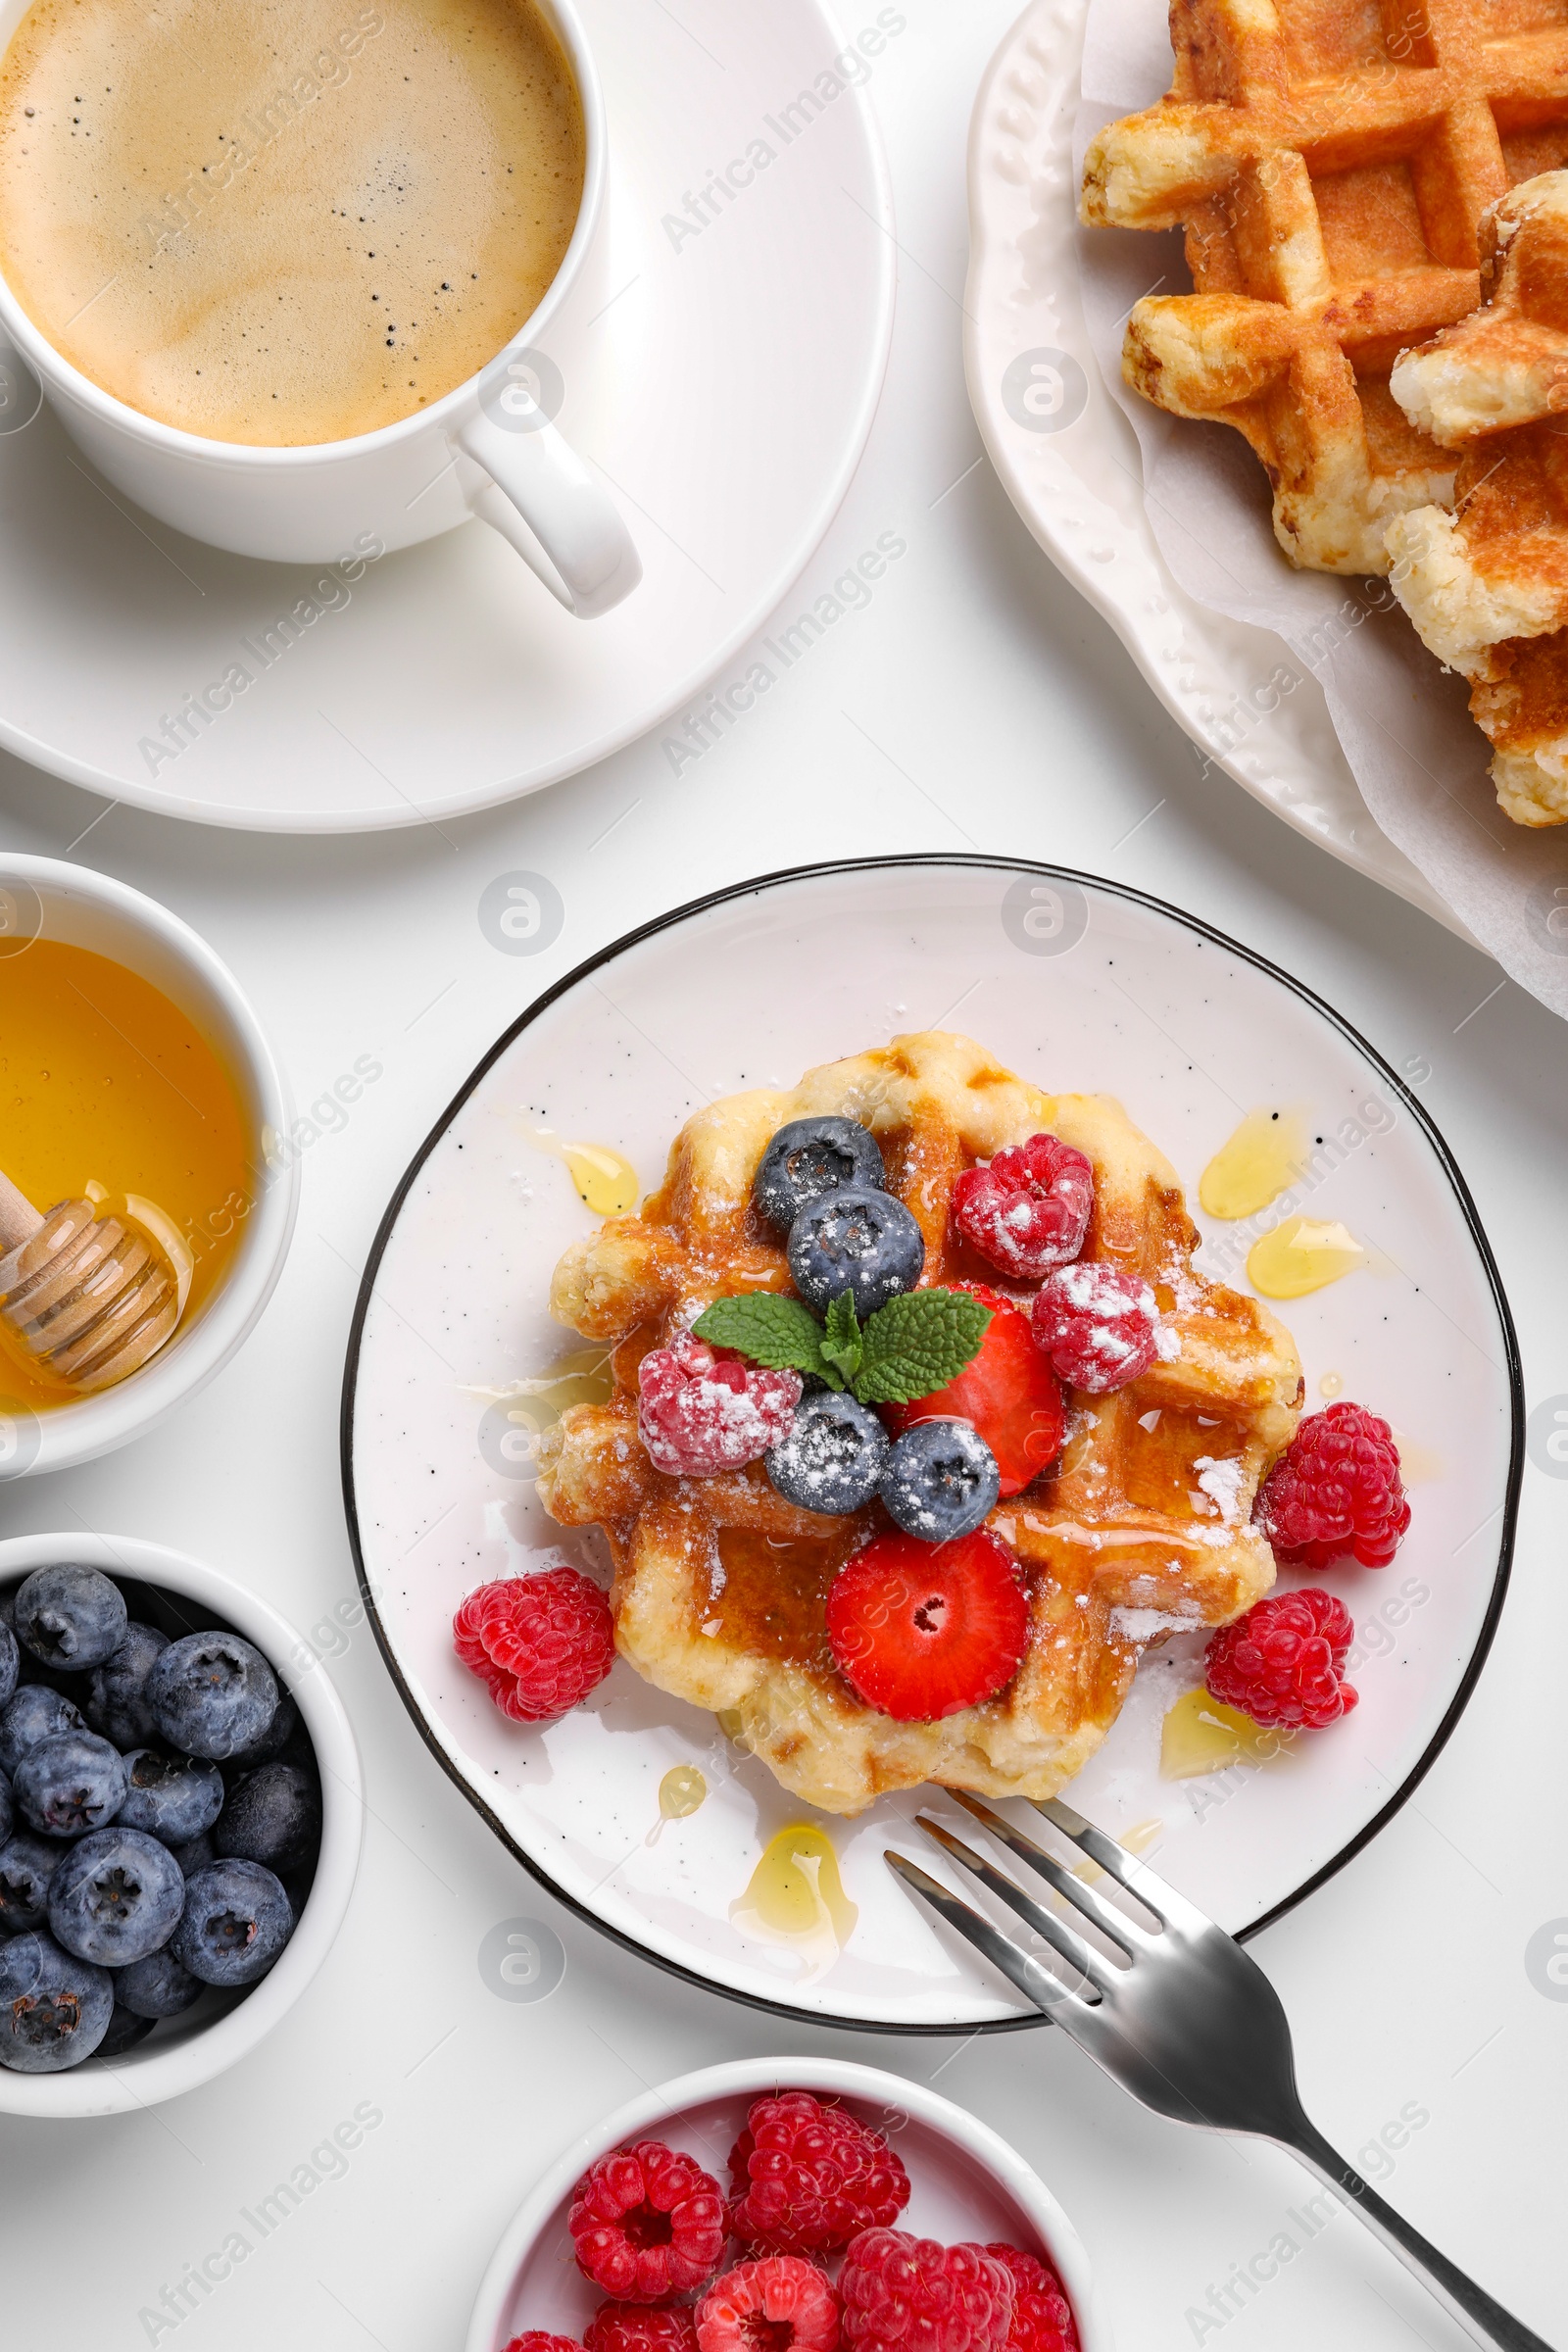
{"x": 605, "y": 1178}
{"x": 1255, "y": 1165}
{"x": 795, "y": 1896}
{"x": 105, "y": 1084}
{"x": 681, "y": 1791}
{"x": 1302, "y": 1255}
{"x": 1200, "y": 1735}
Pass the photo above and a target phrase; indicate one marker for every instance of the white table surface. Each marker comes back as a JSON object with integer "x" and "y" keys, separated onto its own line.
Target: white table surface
{"x": 976, "y": 703}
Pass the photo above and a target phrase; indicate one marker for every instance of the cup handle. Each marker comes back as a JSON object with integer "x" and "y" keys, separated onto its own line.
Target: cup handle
{"x": 542, "y": 498}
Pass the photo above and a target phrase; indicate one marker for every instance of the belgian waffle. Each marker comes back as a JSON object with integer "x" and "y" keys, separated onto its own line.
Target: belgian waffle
{"x": 1486, "y": 584}
{"x": 1330, "y": 164}
{"x": 1141, "y": 1528}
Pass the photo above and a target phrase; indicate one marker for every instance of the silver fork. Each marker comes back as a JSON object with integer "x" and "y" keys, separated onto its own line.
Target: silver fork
{"x": 1191, "y": 2025}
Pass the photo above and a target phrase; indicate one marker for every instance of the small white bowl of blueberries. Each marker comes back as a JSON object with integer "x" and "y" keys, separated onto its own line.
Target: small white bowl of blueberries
{"x": 179, "y": 1822}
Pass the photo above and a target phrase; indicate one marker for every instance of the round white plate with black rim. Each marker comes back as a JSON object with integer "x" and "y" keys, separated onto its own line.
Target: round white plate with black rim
{"x": 1077, "y": 985}
{"x": 719, "y": 361}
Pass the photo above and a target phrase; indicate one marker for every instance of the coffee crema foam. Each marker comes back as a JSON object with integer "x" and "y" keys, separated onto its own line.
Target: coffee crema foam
{"x": 284, "y": 221}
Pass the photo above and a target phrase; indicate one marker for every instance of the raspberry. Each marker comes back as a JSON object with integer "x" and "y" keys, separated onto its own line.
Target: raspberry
{"x": 541, "y": 1642}
{"x": 634, "y": 2328}
{"x": 1284, "y": 1660}
{"x": 1029, "y": 1210}
{"x": 1041, "y": 2317}
{"x": 648, "y": 2222}
{"x": 1008, "y": 1391}
{"x": 780, "y": 2304}
{"x": 908, "y": 2294}
{"x": 1337, "y": 1491}
{"x": 701, "y": 1412}
{"x": 808, "y": 2176}
{"x": 538, "y": 2339}
{"x": 920, "y": 1630}
{"x": 1097, "y": 1326}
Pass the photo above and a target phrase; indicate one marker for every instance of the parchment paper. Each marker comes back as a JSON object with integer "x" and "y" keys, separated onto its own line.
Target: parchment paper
{"x": 1418, "y": 757}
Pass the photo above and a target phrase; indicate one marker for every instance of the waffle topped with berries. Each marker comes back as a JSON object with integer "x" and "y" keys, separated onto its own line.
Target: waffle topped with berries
{"x": 885, "y": 1560}
{"x": 1330, "y": 166}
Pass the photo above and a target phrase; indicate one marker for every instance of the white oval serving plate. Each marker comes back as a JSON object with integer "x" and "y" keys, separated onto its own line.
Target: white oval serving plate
{"x": 1079, "y": 985}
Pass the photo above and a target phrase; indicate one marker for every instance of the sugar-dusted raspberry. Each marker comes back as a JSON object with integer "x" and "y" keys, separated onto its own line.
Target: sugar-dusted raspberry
{"x": 908, "y": 2294}
{"x": 541, "y": 1642}
{"x": 780, "y": 2304}
{"x": 1100, "y": 1327}
{"x": 1284, "y": 1661}
{"x": 1336, "y": 1491}
{"x": 806, "y": 2176}
{"x": 539, "y": 2339}
{"x": 636, "y": 2328}
{"x": 1029, "y": 1210}
{"x": 700, "y": 1412}
{"x": 1042, "y": 2315}
{"x": 648, "y": 2222}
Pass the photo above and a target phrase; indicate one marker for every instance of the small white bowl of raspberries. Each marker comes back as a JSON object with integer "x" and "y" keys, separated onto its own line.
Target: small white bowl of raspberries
{"x": 790, "y": 2205}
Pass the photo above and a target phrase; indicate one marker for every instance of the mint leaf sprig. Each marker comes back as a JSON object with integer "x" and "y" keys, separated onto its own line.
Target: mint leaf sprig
{"x": 913, "y": 1345}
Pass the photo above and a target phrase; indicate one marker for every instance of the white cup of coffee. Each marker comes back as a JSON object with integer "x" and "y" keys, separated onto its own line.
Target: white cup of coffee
{"x": 264, "y": 434}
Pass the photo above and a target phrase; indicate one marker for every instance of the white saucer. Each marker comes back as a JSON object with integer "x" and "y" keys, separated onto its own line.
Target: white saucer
{"x": 1069, "y": 462}
{"x": 723, "y": 378}
{"x": 1078, "y": 986}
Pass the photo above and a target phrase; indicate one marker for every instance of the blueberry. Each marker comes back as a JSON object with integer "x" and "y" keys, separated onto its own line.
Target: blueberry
{"x": 172, "y": 1797}
{"x": 27, "y": 1866}
{"x": 157, "y": 1987}
{"x": 281, "y": 1733}
{"x": 54, "y": 2008}
{"x": 939, "y": 1480}
{"x": 69, "y": 1616}
{"x": 273, "y": 1816}
{"x": 69, "y": 1783}
{"x": 856, "y": 1240}
{"x": 34, "y": 1713}
{"x": 10, "y": 1663}
{"x": 812, "y": 1157}
{"x": 195, "y": 1854}
{"x": 116, "y": 1898}
{"x": 8, "y": 1811}
{"x": 832, "y": 1458}
{"x": 125, "y": 2030}
{"x": 211, "y": 1694}
{"x": 117, "y": 1708}
{"x": 236, "y": 1920}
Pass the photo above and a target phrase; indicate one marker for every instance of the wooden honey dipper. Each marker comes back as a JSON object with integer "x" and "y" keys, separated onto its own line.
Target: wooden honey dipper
{"x": 88, "y": 1297}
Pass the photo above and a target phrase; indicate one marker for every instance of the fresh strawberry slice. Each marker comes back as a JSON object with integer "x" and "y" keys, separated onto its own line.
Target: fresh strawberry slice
{"x": 1009, "y": 1390}
{"x": 920, "y": 1630}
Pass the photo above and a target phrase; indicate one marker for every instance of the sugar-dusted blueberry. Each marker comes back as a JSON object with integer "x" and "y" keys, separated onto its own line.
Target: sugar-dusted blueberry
{"x": 27, "y": 1866}
{"x": 832, "y": 1458}
{"x": 54, "y": 2008}
{"x": 69, "y": 1616}
{"x": 117, "y": 1896}
{"x": 125, "y": 2030}
{"x": 939, "y": 1480}
{"x": 811, "y": 1157}
{"x": 69, "y": 1783}
{"x": 33, "y": 1713}
{"x": 172, "y": 1797}
{"x": 273, "y": 1816}
{"x": 10, "y": 1663}
{"x": 236, "y": 1920}
{"x": 856, "y": 1240}
{"x": 157, "y": 1985}
{"x": 211, "y": 1694}
{"x": 116, "y": 1706}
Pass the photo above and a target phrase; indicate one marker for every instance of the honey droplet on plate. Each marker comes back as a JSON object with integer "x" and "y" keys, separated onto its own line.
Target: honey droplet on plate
{"x": 1254, "y": 1166}
{"x": 795, "y": 1896}
{"x": 680, "y": 1791}
{"x": 606, "y": 1180}
{"x": 1141, "y": 1838}
{"x": 1330, "y": 1385}
{"x": 1302, "y": 1255}
{"x": 1202, "y": 1735}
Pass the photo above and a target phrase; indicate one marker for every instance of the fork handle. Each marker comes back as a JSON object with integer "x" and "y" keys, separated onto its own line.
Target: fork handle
{"x": 1474, "y": 2309}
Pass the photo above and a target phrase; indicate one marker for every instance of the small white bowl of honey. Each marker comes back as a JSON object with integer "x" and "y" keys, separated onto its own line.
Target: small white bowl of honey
{"x": 139, "y": 1089}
